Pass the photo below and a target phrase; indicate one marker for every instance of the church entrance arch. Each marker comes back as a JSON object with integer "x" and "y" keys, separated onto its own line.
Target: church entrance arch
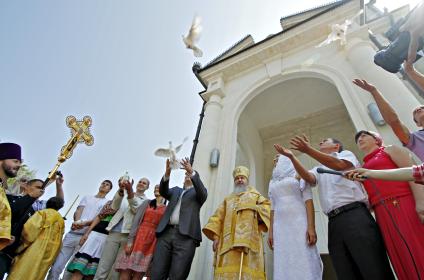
{"x": 298, "y": 103}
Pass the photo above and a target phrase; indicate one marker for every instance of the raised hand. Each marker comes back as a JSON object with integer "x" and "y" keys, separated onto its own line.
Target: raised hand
{"x": 185, "y": 162}
{"x": 300, "y": 143}
{"x": 168, "y": 168}
{"x": 125, "y": 184}
{"x": 129, "y": 185}
{"x": 283, "y": 151}
{"x": 408, "y": 67}
{"x": 364, "y": 85}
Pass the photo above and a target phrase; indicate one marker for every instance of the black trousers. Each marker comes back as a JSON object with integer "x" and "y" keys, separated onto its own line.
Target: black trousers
{"x": 173, "y": 256}
{"x": 5, "y": 264}
{"x": 356, "y": 246}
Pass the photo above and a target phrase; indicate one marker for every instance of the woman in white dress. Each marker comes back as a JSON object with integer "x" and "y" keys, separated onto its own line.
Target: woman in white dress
{"x": 292, "y": 233}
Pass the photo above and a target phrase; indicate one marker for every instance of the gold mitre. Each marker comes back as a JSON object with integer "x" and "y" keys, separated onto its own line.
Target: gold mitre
{"x": 241, "y": 171}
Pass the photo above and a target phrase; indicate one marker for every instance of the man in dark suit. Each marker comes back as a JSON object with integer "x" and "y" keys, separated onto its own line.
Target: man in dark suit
{"x": 178, "y": 231}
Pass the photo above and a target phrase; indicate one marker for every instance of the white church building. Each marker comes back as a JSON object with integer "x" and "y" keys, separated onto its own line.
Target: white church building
{"x": 260, "y": 93}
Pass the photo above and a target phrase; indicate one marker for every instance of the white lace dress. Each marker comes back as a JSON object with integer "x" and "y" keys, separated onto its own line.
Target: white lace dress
{"x": 293, "y": 258}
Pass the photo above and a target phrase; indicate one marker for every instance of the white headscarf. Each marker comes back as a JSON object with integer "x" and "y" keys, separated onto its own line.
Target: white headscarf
{"x": 284, "y": 168}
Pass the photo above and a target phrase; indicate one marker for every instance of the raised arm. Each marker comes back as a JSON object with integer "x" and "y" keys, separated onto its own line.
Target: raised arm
{"x": 164, "y": 182}
{"x": 133, "y": 201}
{"x": 117, "y": 199}
{"x": 415, "y": 26}
{"x": 59, "y": 187}
{"x": 417, "y": 77}
{"x": 301, "y": 144}
{"x": 201, "y": 191}
{"x": 300, "y": 169}
{"x": 389, "y": 114}
{"x": 399, "y": 174}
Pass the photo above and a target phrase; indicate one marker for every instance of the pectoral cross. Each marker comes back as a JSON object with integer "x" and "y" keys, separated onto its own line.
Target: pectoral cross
{"x": 80, "y": 132}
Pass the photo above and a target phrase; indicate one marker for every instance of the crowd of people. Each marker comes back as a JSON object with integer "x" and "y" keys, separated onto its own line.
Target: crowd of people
{"x": 131, "y": 236}
{"x": 128, "y": 237}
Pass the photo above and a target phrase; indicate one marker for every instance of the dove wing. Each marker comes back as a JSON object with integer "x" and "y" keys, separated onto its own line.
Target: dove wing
{"x": 330, "y": 38}
{"x": 178, "y": 148}
{"x": 163, "y": 153}
{"x": 360, "y": 12}
{"x": 195, "y": 30}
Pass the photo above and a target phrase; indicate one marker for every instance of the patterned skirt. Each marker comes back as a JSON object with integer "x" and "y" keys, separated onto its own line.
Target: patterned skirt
{"x": 87, "y": 258}
{"x": 142, "y": 253}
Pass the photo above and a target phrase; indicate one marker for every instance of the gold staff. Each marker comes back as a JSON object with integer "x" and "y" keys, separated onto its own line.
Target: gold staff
{"x": 80, "y": 132}
{"x": 241, "y": 263}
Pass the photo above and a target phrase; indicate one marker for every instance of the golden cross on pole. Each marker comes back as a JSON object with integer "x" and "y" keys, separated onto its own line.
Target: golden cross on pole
{"x": 80, "y": 132}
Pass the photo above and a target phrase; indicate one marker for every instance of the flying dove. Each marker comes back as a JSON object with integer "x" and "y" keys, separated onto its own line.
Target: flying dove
{"x": 338, "y": 32}
{"x": 171, "y": 153}
{"x": 193, "y": 37}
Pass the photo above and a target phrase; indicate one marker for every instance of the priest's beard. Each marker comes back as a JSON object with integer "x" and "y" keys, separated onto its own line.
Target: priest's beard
{"x": 238, "y": 188}
{"x": 9, "y": 171}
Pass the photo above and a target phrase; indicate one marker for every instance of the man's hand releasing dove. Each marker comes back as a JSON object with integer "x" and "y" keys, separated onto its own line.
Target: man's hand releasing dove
{"x": 193, "y": 37}
{"x": 171, "y": 153}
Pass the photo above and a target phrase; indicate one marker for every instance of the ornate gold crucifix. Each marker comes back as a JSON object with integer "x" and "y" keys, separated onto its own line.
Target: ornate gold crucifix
{"x": 80, "y": 132}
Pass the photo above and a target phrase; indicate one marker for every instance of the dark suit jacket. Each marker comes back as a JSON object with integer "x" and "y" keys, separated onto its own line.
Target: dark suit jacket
{"x": 192, "y": 200}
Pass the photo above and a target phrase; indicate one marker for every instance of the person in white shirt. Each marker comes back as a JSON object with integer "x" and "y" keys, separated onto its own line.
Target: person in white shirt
{"x": 354, "y": 241}
{"x": 120, "y": 225}
{"x": 86, "y": 211}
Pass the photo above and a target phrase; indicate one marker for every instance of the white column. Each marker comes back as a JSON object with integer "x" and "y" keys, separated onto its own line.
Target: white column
{"x": 202, "y": 265}
{"x": 208, "y": 136}
{"x": 361, "y": 56}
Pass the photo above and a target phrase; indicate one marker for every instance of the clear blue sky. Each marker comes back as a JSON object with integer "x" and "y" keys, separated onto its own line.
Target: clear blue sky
{"x": 124, "y": 64}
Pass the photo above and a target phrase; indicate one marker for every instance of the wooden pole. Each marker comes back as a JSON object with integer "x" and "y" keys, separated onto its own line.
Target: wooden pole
{"x": 70, "y": 207}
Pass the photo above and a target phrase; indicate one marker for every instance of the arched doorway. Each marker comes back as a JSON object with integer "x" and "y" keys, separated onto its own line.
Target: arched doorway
{"x": 301, "y": 105}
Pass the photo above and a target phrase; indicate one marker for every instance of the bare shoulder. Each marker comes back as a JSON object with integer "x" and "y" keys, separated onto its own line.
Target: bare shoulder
{"x": 394, "y": 149}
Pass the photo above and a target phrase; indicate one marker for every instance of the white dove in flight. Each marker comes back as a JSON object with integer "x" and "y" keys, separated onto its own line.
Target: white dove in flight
{"x": 193, "y": 37}
{"x": 171, "y": 153}
{"x": 338, "y": 32}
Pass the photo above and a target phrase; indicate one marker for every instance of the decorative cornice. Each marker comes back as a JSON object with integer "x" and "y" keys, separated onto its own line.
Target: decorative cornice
{"x": 285, "y": 43}
{"x": 233, "y": 48}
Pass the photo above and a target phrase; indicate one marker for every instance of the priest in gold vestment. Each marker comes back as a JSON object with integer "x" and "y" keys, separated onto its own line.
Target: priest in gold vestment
{"x": 236, "y": 231}
{"x": 41, "y": 241}
{"x": 10, "y": 162}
